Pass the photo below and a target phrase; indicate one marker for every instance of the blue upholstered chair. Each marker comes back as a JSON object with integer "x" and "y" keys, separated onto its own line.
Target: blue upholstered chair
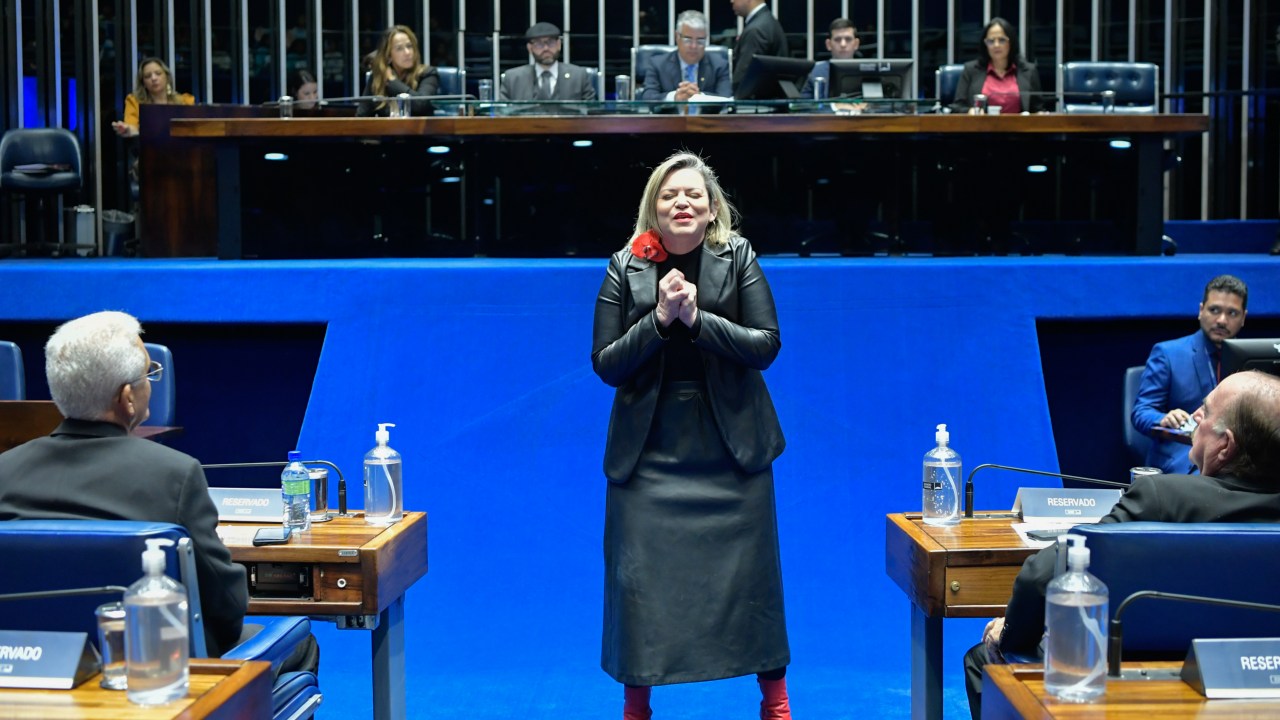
{"x": 40, "y": 163}
{"x": 1236, "y": 561}
{"x": 13, "y": 380}
{"x": 1136, "y": 85}
{"x": 453, "y": 80}
{"x": 1137, "y": 443}
{"x": 44, "y": 555}
{"x": 163, "y": 401}
{"x": 946, "y": 78}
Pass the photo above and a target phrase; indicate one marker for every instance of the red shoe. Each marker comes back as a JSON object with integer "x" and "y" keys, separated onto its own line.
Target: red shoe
{"x": 775, "y": 705}
{"x": 636, "y": 705}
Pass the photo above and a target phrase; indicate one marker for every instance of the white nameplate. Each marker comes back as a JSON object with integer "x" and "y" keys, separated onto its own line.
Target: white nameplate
{"x": 45, "y": 660}
{"x": 1070, "y": 504}
{"x": 1234, "y": 668}
{"x": 248, "y": 504}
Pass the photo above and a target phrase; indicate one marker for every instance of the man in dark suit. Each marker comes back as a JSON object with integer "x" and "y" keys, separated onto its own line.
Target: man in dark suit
{"x": 546, "y": 78}
{"x": 842, "y": 43}
{"x": 1237, "y": 448}
{"x": 689, "y": 70}
{"x": 1180, "y": 373}
{"x": 91, "y": 467}
{"x": 761, "y": 35}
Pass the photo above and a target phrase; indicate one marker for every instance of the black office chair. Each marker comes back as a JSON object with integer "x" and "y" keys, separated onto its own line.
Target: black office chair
{"x": 453, "y": 80}
{"x": 1136, "y": 87}
{"x": 947, "y": 78}
{"x": 13, "y": 382}
{"x": 44, "y": 163}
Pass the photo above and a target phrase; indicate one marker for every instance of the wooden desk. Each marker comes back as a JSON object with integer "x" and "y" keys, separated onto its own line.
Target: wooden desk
{"x": 358, "y": 577}
{"x": 962, "y": 571}
{"x": 1017, "y": 691}
{"x": 484, "y": 144}
{"x": 23, "y": 420}
{"x": 230, "y": 689}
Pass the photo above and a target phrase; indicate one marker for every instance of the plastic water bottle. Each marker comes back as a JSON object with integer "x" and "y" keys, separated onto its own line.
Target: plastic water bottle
{"x": 383, "y": 484}
{"x": 157, "y": 639}
{"x": 1075, "y": 658}
{"x": 942, "y": 482}
{"x": 295, "y": 490}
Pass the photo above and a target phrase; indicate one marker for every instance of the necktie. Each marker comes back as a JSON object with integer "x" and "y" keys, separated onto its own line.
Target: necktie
{"x": 545, "y": 87}
{"x": 689, "y": 76}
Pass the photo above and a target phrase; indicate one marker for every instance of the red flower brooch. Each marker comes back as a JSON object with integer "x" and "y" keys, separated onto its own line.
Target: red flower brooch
{"x": 649, "y": 247}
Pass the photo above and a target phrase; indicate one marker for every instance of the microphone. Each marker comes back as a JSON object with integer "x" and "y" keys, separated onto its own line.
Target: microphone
{"x": 342, "y": 482}
{"x": 1115, "y": 632}
{"x": 50, "y": 594}
{"x": 968, "y": 483}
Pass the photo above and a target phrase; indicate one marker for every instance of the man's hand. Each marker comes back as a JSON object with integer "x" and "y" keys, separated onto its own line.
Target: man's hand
{"x": 1174, "y": 418}
{"x": 991, "y": 637}
{"x": 686, "y": 90}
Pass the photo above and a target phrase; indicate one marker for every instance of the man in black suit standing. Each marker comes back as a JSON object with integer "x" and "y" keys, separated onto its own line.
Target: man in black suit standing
{"x": 546, "y": 78}
{"x": 761, "y": 35}
{"x": 689, "y": 70}
{"x": 1237, "y": 448}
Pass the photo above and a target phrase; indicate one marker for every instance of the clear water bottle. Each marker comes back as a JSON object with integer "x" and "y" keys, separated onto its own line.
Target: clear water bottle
{"x": 383, "y": 482}
{"x": 942, "y": 482}
{"x": 157, "y": 639}
{"x": 1076, "y": 613}
{"x": 295, "y": 490}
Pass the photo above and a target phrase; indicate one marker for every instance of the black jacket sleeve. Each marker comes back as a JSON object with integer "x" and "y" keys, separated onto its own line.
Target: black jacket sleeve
{"x": 224, "y": 593}
{"x": 619, "y": 350}
{"x": 754, "y": 341}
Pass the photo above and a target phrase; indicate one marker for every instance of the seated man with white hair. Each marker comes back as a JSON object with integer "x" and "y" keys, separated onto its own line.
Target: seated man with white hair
{"x": 91, "y": 467}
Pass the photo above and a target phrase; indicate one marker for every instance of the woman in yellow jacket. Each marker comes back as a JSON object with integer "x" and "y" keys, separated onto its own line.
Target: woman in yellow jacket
{"x": 155, "y": 85}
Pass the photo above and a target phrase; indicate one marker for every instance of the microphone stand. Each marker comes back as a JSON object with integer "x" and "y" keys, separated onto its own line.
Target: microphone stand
{"x": 342, "y": 482}
{"x": 968, "y": 483}
{"x": 50, "y": 594}
{"x": 1115, "y": 632}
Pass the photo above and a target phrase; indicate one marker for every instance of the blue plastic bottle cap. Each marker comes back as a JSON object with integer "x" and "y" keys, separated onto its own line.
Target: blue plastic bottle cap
{"x": 295, "y": 456}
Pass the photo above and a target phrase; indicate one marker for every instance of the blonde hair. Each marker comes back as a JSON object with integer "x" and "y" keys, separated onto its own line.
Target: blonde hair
{"x": 718, "y": 230}
{"x": 382, "y": 62}
{"x": 140, "y": 88}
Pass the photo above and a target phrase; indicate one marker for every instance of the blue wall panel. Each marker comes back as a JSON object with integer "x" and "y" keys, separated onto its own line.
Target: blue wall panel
{"x": 485, "y": 368}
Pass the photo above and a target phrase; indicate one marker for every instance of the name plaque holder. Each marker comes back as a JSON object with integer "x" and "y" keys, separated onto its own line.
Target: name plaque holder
{"x": 248, "y": 504}
{"x": 1224, "y": 668}
{"x": 1064, "y": 504}
{"x": 45, "y": 660}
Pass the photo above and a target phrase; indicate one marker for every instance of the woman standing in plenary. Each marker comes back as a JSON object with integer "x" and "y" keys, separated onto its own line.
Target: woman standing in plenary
{"x": 1009, "y": 81}
{"x": 155, "y": 86}
{"x": 397, "y": 68}
{"x": 684, "y": 325}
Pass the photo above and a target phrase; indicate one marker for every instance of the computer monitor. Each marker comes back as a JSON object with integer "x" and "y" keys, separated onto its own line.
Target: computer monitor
{"x": 770, "y": 77}
{"x": 1252, "y": 354}
{"x": 871, "y": 79}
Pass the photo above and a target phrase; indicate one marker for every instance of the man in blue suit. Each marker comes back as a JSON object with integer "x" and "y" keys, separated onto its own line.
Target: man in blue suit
{"x": 842, "y": 43}
{"x": 689, "y": 70}
{"x": 1180, "y": 373}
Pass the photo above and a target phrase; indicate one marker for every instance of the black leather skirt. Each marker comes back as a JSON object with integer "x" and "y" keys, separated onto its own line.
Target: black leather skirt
{"x": 693, "y": 581}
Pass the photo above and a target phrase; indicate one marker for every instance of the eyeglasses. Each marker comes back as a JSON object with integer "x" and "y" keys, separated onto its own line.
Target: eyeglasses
{"x": 544, "y": 42}
{"x": 155, "y": 371}
{"x": 687, "y": 40}
{"x": 994, "y": 41}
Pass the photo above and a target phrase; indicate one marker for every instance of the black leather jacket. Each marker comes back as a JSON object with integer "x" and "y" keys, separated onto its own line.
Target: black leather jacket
{"x": 737, "y": 333}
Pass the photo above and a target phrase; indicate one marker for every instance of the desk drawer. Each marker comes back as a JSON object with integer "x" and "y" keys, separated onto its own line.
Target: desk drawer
{"x": 974, "y": 591}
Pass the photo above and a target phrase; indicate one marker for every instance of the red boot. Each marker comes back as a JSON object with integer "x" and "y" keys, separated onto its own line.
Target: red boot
{"x": 636, "y": 705}
{"x": 775, "y": 705}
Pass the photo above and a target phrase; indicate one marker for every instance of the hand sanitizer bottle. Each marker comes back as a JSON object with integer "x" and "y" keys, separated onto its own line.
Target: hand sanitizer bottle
{"x": 1075, "y": 657}
{"x": 157, "y": 640}
{"x": 383, "y": 486}
{"x": 942, "y": 482}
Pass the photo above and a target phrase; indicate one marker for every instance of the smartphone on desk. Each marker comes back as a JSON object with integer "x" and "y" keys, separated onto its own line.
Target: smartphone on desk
{"x": 271, "y": 536}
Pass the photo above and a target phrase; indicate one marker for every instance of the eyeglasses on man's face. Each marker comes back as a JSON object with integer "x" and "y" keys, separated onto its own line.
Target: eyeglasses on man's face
{"x": 994, "y": 41}
{"x": 155, "y": 371}
{"x": 690, "y": 40}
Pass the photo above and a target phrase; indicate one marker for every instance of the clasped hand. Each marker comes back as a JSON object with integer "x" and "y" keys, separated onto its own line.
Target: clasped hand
{"x": 677, "y": 298}
{"x": 686, "y": 90}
